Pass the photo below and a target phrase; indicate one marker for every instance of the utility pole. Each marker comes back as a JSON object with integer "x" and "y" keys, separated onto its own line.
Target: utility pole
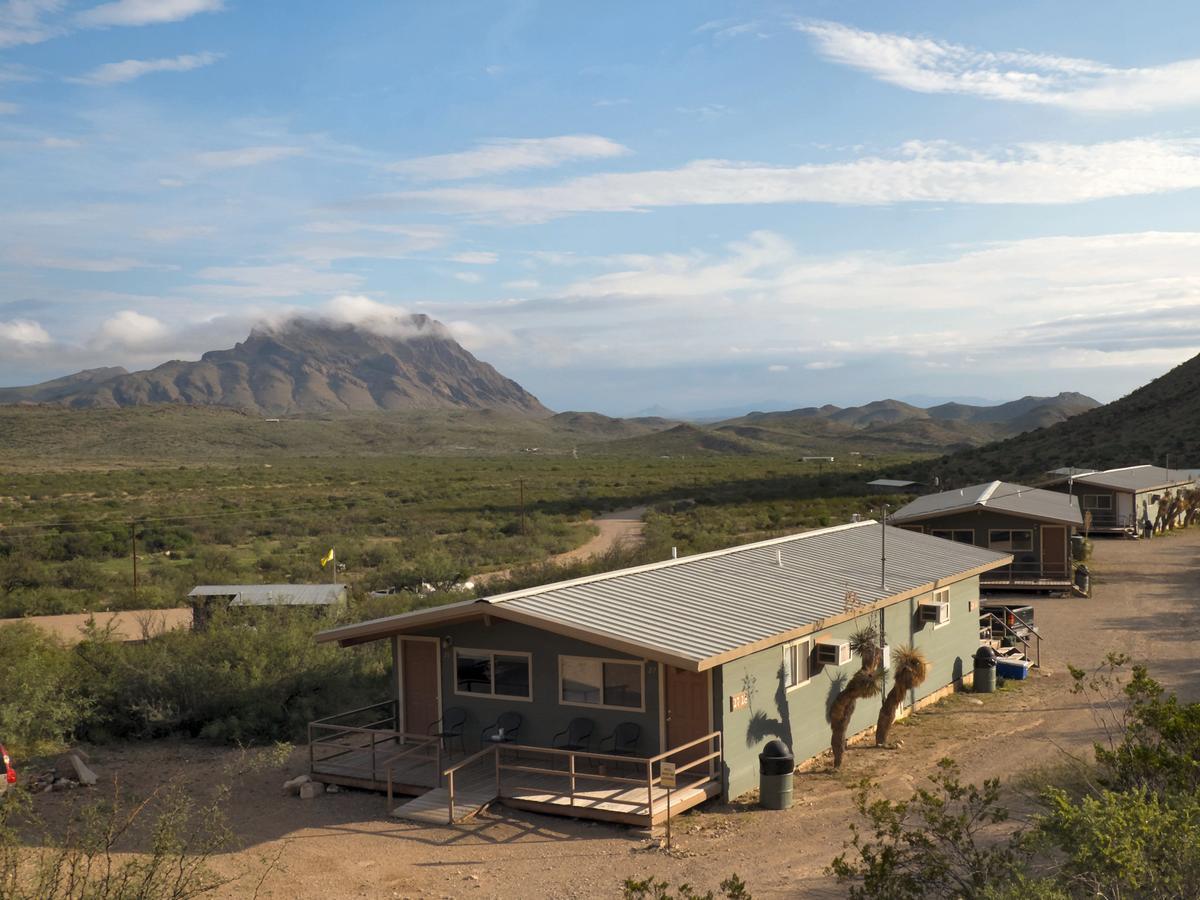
{"x": 133, "y": 556}
{"x": 883, "y": 548}
{"x": 521, "y": 482}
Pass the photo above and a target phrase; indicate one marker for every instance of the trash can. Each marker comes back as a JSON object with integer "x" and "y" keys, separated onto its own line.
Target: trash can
{"x": 776, "y": 766}
{"x": 1078, "y": 547}
{"x": 985, "y": 670}
{"x": 1083, "y": 580}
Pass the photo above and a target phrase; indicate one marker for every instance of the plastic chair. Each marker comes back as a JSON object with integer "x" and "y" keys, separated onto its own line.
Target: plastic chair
{"x": 624, "y": 739}
{"x": 503, "y": 731}
{"x": 576, "y": 736}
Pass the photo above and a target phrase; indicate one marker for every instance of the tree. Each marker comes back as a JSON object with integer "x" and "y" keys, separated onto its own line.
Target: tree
{"x": 909, "y": 669}
{"x": 864, "y": 683}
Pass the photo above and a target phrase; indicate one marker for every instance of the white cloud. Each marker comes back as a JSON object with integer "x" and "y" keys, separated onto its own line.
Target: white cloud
{"x": 822, "y": 365}
{"x": 25, "y": 332}
{"x": 8, "y": 109}
{"x": 79, "y": 264}
{"x": 778, "y": 369}
{"x": 390, "y": 321}
{"x": 128, "y": 328}
{"x": 273, "y": 281}
{"x": 57, "y": 143}
{"x": 476, "y": 337}
{"x": 931, "y": 66}
{"x": 145, "y": 12}
{"x": 476, "y": 258}
{"x": 169, "y": 234}
{"x": 246, "y": 156}
{"x": 171, "y": 182}
{"x": 509, "y": 155}
{"x": 130, "y": 69}
{"x": 469, "y": 277}
{"x": 929, "y": 172}
{"x": 25, "y": 21}
{"x": 523, "y": 284}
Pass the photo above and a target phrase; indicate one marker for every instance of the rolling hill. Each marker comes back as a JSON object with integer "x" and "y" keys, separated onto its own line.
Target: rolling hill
{"x": 1157, "y": 420}
{"x": 305, "y": 366}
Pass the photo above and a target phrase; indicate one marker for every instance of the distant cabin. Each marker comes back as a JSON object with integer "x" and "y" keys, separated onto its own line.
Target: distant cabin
{"x": 1035, "y": 526}
{"x": 205, "y": 599}
{"x": 1124, "y": 500}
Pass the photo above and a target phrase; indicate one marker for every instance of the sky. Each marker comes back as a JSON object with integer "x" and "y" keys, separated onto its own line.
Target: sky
{"x": 681, "y": 206}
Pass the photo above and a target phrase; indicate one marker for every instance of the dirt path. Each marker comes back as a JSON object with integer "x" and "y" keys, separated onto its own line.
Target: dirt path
{"x": 617, "y": 528}
{"x": 130, "y": 625}
{"x": 342, "y": 845}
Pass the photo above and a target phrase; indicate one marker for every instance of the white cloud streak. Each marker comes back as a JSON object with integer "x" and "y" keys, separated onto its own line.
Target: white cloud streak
{"x": 145, "y": 12}
{"x": 932, "y": 66}
{"x": 502, "y": 155}
{"x": 922, "y": 172}
{"x": 246, "y": 156}
{"x": 131, "y": 69}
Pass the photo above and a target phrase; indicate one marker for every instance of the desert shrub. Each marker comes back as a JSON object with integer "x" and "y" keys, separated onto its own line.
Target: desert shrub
{"x": 732, "y": 888}
{"x": 40, "y": 703}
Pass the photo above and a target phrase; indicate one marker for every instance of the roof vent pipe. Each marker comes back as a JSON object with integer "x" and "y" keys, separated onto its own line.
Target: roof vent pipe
{"x": 779, "y": 558}
{"x": 674, "y": 553}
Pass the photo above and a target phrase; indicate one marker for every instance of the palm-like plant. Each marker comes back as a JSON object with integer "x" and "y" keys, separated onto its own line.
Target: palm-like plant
{"x": 909, "y": 668}
{"x": 864, "y": 683}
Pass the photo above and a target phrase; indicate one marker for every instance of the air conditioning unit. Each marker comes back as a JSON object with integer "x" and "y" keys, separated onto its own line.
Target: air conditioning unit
{"x": 937, "y": 613}
{"x": 833, "y": 653}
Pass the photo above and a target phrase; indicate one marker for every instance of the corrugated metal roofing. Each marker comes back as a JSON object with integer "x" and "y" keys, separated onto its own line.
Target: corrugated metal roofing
{"x": 891, "y": 483}
{"x": 1139, "y": 478}
{"x": 1002, "y": 496}
{"x": 701, "y": 607}
{"x": 273, "y": 594}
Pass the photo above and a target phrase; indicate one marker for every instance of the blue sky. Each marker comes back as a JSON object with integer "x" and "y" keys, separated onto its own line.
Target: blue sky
{"x": 692, "y": 205}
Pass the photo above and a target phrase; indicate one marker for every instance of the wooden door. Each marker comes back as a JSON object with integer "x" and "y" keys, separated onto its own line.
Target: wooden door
{"x": 422, "y": 703}
{"x": 686, "y": 713}
{"x": 1054, "y": 551}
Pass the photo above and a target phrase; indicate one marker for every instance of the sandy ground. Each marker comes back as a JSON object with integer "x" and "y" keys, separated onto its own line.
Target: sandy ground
{"x": 131, "y": 625}
{"x": 342, "y": 845}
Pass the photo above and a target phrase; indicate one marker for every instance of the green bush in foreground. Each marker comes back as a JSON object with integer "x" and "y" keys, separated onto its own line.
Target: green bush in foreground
{"x": 40, "y": 697}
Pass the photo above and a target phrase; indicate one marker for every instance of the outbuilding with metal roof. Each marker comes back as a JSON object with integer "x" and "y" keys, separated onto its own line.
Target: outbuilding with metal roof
{"x": 1137, "y": 500}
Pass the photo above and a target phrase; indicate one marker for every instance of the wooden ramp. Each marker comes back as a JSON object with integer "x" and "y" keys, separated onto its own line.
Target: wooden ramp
{"x": 474, "y": 788}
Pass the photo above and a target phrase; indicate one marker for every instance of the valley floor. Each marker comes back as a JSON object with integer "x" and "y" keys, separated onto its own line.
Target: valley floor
{"x": 343, "y": 845}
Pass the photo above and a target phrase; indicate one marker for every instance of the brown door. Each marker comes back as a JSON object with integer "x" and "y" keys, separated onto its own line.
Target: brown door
{"x": 1054, "y": 551}
{"x": 687, "y": 711}
{"x": 419, "y": 661}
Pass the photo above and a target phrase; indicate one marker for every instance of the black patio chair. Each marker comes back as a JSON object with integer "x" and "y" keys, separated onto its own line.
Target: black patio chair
{"x": 624, "y": 740}
{"x": 504, "y": 730}
{"x": 450, "y": 727}
{"x": 576, "y": 736}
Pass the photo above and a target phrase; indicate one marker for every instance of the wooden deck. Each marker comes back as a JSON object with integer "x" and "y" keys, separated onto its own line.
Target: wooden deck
{"x": 610, "y": 803}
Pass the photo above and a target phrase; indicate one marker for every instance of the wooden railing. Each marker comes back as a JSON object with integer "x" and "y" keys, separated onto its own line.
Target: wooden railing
{"x": 417, "y": 747}
{"x": 333, "y": 737}
{"x": 1017, "y": 572}
{"x": 990, "y": 620}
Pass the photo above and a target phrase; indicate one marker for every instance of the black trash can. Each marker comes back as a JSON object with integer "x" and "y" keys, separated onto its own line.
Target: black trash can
{"x": 1083, "y": 580}
{"x": 776, "y": 766}
{"x": 985, "y": 670}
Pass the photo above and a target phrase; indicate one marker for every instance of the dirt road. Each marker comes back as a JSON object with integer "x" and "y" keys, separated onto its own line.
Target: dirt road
{"x": 131, "y": 625}
{"x": 342, "y": 845}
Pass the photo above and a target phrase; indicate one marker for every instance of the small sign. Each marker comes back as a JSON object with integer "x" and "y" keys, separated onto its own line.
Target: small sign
{"x": 738, "y": 701}
{"x": 667, "y": 774}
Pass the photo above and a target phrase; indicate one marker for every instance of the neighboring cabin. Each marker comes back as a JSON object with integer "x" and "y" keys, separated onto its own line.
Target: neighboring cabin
{"x": 729, "y": 649}
{"x": 1125, "y": 500}
{"x": 207, "y": 599}
{"x": 1035, "y": 526}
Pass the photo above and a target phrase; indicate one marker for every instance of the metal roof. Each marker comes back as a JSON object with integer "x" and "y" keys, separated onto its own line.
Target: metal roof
{"x": 892, "y": 483}
{"x": 1001, "y": 496}
{"x": 1139, "y": 478}
{"x": 273, "y": 594}
{"x": 700, "y": 611}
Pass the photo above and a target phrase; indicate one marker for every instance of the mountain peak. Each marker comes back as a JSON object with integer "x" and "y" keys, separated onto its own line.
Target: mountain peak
{"x": 303, "y": 365}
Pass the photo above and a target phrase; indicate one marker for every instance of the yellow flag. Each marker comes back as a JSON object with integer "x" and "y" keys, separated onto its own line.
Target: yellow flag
{"x": 327, "y": 558}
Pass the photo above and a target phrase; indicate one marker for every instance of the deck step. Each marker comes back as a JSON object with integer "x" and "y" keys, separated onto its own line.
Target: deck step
{"x": 433, "y": 807}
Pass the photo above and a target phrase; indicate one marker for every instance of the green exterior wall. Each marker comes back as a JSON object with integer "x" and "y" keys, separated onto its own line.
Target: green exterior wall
{"x": 544, "y": 715}
{"x": 799, "y": 717}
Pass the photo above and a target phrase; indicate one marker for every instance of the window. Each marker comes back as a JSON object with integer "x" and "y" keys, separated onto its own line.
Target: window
{"x": 958, "y": 535}
{"x": 490, "y": 674}
{"x": 1016, "y": 539}
{"x": 941, "y": 595}
{"x": 797, "y": 663}
{"x": 1096, "y": 501}
{"x": 584, "y": 681}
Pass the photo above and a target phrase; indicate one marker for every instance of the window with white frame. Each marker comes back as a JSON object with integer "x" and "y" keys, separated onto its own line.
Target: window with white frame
{"x": 1015, "y": 539}
{"x": 797, "y": 663}
{"x": 1096, "y": 501}
{"x": 941, "y": 595}
{"x": 493, "y": 673}
{"x": 958, "y": 535}
{"x": 615, "y": 683}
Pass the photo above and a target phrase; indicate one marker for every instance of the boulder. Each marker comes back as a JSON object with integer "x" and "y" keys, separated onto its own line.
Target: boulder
{"x": 83, "y": 774}
{"x": 292, "y": 785}
{"x": 310, "y": 790}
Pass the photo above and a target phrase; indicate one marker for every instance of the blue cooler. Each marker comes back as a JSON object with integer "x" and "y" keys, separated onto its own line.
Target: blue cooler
{"x": 1014, "y": 669}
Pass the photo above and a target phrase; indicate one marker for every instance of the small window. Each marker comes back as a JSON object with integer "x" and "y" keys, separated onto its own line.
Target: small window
{"x": 797, "y": 663}
{"x": 958, "y": 535}
{"x": 1011, "y": 540}
{"x": 1096, "y": 501}
{"x": 491, "y": 674}
{"x": 942, "y": 595}
{"x": 613, "y": 683}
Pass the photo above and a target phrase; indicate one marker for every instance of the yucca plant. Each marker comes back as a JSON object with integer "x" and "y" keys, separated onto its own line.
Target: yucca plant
{"x": 909, "y": 669}
{"x": 864, "y": 683}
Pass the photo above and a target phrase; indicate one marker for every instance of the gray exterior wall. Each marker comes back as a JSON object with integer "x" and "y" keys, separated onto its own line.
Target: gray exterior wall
{"x": 544, "y": 715}
{"x": 799, "y": 716}
{"x": 982, "y": 521}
